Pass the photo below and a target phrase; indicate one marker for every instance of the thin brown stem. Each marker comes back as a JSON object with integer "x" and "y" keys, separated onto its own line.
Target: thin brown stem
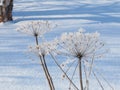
{"x": 45, "y": 69}
{"x": 100, "y": 75}
{"x": 80, "y": 73}
{"x": 105, "y": 80}
{"x": 36, "y": 40}
{"x": 48, "y": 74}
{"x": 42, "y": 63}
{"x": 73, "y": 73}
{"x": 87, "y": 81}
{"x": 70, "y": 66}
{"x": 98, "y": 80}
{"x": 64, "y": 72}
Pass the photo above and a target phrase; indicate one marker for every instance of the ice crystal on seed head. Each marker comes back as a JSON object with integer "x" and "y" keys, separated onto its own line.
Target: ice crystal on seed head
{"x": 81, "y": 30}
{"x": 36, "y": 28}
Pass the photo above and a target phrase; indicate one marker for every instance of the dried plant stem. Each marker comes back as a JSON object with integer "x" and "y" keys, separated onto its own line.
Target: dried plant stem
{"x": 80, "y": 73}
{"x": 73, "y": 73}
{"x": 91, "y": 70}
{"x": 47, "y": 74}
{"x": 49, "y": 77}
{"x": 36, "y": 40}
{"x": 70, "y": 67}
{"x": 89, "y": 73}
{"x": 91, "y": 66}
{"x": 98, "y": 81}
{"x": 64, "y": 72}
{"x": 87, "y": 80}
{"x": 44, "y": 66}
{"x": 105, "y": 80}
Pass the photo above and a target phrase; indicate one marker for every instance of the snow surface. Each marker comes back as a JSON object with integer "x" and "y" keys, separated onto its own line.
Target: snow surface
{"x": 19, "y": 72}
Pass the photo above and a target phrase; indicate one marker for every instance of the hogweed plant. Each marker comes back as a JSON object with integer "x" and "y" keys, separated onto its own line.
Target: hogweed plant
{"x": 50, "y": 48}
{"x": 38, "y": 29}
{"x": 81, "y": 48}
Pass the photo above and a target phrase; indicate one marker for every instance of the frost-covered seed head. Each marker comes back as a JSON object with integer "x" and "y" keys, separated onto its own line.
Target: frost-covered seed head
{"x": 81, "y": 45}
{"x": 36, "y": 28}
{"x": 44, "y": 48}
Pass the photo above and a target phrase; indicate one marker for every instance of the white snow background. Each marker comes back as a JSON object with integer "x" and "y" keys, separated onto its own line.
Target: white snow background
{"x": 18, "y": 72}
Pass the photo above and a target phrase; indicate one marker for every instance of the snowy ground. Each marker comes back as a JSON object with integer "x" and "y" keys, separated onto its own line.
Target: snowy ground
{"x": 18, "y": 72}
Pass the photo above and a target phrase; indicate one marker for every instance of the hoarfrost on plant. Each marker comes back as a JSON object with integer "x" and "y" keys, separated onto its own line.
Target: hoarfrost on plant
{"x": 81, "y": 45}
{"x": 44, "y": 48}
{"x": 36, "y": 28}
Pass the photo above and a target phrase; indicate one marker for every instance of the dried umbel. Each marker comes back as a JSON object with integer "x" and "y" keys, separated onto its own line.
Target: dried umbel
{"x": 36, "y": 28}
{"x": 82, "y": 48}
{"x": 81, "y": 45}
{"x": 44, "y": 48}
